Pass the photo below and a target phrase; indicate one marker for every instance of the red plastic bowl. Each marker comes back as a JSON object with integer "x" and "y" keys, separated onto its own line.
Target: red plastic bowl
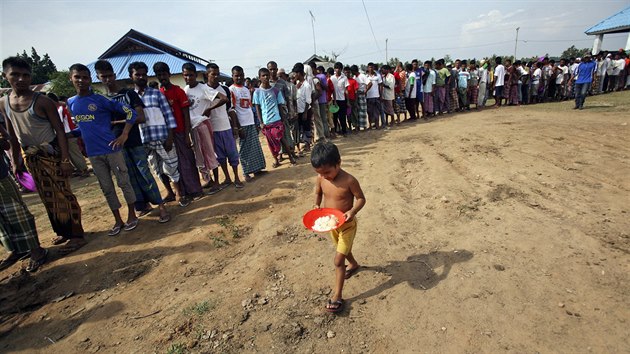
{"x": 310, "y": 217}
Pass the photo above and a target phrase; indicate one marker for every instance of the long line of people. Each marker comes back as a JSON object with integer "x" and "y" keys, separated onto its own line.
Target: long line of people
{"x": 183, "y": 136}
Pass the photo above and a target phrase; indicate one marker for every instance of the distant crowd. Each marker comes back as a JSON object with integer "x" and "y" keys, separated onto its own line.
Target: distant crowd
{"x": 184, "y": 137}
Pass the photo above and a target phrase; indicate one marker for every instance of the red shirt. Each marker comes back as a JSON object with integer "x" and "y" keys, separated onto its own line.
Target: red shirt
{"x": 331, "y": 89}
{"x": 177, "y": 99}
{"x": 397, "y": 78}
{"x": 68, "y": 118}
{"x": 353, "y": 86}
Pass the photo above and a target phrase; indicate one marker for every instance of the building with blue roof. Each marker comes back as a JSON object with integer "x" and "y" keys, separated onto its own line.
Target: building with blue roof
{"x": 617, "y": 23}
{"x": 137, "y": 46}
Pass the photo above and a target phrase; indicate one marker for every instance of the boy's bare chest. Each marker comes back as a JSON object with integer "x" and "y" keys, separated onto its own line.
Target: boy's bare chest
{"x": 335, "y": 191}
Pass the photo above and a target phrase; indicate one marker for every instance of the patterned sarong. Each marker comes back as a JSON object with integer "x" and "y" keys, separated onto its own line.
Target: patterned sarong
{"x": 252, "y": 157}
{"x": 17, "y": 225}
{"x": 513, "y": 94}
{"x": 473, "y": 94}
{"x": 289, "y": 132}
{"x": 428, "y": 102}
{"x": 274, "y": 133}
{"x": 204, "y": 149}
{"x": 441, "y": 99}
{"x": 362, "y": 105}
{"x": 142, "y": 181}
{"x": 400, "y": 107}
{"x": 54, "y": 190}
{"x": 188, "y": 175}
{"x": 453, "y": 103}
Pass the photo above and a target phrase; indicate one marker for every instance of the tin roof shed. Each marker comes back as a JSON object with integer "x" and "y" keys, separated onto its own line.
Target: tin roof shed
{"x": 137, "y": 46}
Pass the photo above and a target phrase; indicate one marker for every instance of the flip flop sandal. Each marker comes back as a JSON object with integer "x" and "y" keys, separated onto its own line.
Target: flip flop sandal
{"x": 59, "y": 240}
{"x": 351, "y": 272}
{"x": 335, "y": 306}
{"x": 114, "y": 230}
{"x": 145, "y": 212}
{"x": 130, "y": 225}
{"x": 275, "y": 165}
{"x": 184, "y": 202}
{"x": 214, "y": 190}
{"x": 164, "y": 219}
{"x": 33, "y": 265}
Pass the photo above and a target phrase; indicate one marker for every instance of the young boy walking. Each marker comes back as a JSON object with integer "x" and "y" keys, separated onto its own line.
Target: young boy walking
{"x": 93, "y": 114}
{"x": 338, "y": 189}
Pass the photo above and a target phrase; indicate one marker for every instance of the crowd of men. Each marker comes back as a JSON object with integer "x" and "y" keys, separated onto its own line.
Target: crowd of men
{"x": 186, "y": 136}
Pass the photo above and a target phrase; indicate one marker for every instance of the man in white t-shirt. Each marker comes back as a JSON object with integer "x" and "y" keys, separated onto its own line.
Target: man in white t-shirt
{"x": 389, "y": 83}
{"x": 304, "y": 100}
{"x": 373, "y": 95}
{"x": 562, "y": 76}
{"x": 340, "y": 83}
{"x": 202, "y": 101}
{"x": 499, "y": 81}
{"x": 483, "y": 84}
{"x": 225, "y": 126}
{"x": 536, "y": 79}
{"x": 600, "y": 74}
{"x": 619, "y": 71}
{"x": 410, "y": 91}
{"x": 251, "y": 154}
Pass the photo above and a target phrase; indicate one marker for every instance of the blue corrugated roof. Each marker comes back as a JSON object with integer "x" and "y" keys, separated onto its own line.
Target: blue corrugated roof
{"x": 121, "y": 62}
{"x": 619, "y": 22}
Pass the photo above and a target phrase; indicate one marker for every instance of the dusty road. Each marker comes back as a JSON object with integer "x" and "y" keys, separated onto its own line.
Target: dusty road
{"x": 496, "y": 231}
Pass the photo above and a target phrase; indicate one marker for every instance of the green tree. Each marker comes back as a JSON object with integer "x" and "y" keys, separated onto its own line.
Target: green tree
{"x": 61, "y": 85}
{"x": 42, "y": 67}
{"x": 573, "y": 52}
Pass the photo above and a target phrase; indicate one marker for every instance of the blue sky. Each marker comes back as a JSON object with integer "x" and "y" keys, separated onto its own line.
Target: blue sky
{"x": 250, "y": 33}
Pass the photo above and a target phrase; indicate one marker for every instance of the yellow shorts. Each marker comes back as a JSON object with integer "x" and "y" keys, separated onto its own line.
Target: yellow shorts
{"x": 343, "y": 237}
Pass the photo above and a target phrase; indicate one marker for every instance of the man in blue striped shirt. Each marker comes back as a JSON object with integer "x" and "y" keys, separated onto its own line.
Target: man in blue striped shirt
{"x": 157, "y": 132}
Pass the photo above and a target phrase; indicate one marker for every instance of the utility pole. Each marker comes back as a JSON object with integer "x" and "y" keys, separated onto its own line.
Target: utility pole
{"x": 386, "y": 57}
{"x": 313, "y": 25}
{"x": 516, "y": 42}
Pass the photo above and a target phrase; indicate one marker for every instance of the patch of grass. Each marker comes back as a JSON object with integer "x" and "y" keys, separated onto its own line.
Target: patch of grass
{"x": 227, "y": 223}
{"x": 199, "y": 309}
{"x": 177, "y": 348}
{"x": 218, "y": 242}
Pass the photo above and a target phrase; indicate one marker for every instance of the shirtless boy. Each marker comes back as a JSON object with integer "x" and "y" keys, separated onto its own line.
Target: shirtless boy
{"x": 339, "y": 190}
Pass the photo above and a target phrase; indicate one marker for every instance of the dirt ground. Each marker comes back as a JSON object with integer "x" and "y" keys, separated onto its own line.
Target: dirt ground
{"x": 505, "y": 230}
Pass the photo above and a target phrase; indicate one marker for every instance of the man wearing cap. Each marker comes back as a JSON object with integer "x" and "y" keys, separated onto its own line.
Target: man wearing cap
{"x": 583, "y": 79}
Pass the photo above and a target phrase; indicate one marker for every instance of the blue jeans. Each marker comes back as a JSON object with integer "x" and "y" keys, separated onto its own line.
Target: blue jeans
{"x": 580, "y": 94}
